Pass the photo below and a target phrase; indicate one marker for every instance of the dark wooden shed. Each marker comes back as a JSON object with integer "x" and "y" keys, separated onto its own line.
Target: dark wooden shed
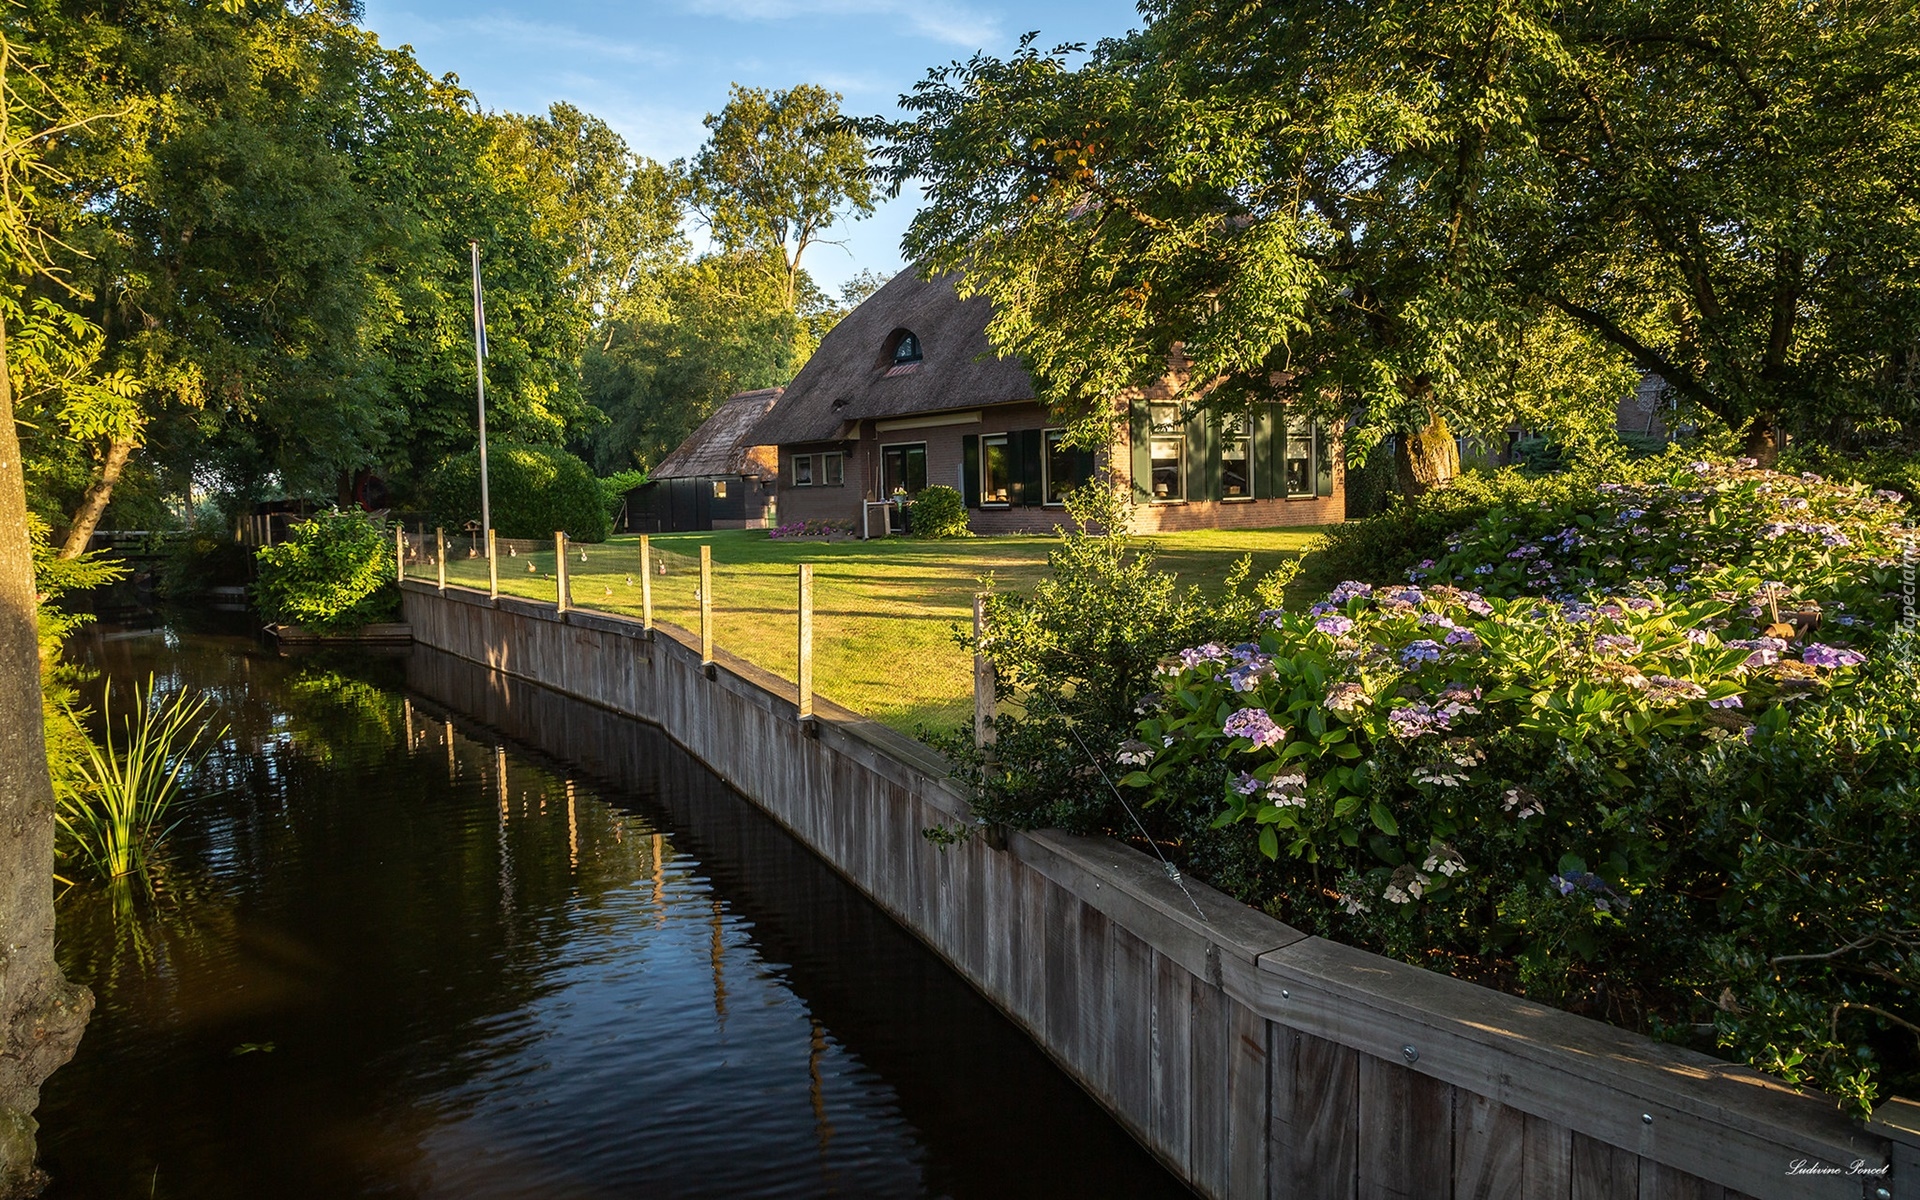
{"x": 716, "y": 479}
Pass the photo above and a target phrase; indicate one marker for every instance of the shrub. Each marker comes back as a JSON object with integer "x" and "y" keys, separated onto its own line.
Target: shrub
{"x": 938, "y": 512}
{"x": 1074, "y": 657}
{"x": 535, "y": 491}
{"x": 1794, "y": 545}
{"x": 335, "y": 571}
{"x": 614, "y": 489}
{"x": 1630, "y": 805}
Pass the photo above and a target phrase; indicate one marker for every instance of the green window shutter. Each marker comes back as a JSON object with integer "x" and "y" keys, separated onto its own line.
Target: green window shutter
{"x": 1322, "y": 461}
{"x": 1142, "y": 449}
{"x": 970, "y": 468}
{"x": 1203, "y": 456}
{"x": 1029, "y": 447}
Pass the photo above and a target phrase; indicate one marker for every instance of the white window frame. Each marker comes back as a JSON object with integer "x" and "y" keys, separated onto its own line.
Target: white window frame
{"x": 794, "y": 469}
{"x": 1313, "y": 460}
{"x": 833, "y": 462}
{"x": 1046, "y": 466}
{"x": 1244, "y": 421}
{"x": 1005, "y": 442}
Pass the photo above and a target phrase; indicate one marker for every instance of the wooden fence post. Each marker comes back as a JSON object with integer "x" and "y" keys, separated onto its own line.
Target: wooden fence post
{"x": 560, "y": 572}
{"x": 806, "y": 642}
{"x": 399, "y": 554}
{"x": 982, "y": 676}
{"x": 706, "y": 606}
{"x": 440, "y": 553}
{"x": 493, "y": 569}
{"x": 646, "y": 584}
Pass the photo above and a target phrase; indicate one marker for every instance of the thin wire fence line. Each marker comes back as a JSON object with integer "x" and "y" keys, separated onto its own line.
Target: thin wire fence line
{"x": 891, "y": 658}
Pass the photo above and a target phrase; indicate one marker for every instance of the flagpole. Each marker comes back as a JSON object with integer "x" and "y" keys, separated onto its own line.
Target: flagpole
{"x": 480, "y": 389}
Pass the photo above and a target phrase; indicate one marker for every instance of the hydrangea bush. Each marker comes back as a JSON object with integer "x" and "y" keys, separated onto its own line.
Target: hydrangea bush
{"x": 1657, "y": 763}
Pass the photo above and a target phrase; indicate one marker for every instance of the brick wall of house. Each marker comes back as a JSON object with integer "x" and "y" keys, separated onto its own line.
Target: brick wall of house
{"x": 945, "y": 454}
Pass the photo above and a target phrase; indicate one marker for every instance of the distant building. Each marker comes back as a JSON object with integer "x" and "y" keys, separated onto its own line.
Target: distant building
{"x": 906, "y": 392}
{"x": 719, "y": 478}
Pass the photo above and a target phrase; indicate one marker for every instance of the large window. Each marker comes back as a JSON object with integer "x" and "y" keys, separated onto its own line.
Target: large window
{"x": 1067, "y": 468}
{"x": 1301, "y": 459}
{"x": 996, "y": 470}
{"x": 904, "y": 469}
{"x": 814, "y": 470}
{"x": 1236, "y": 457}
{"x": 1167, "y": 450}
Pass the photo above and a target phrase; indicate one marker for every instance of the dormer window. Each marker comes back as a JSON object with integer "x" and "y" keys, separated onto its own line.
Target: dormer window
{"x": 907, "y": 349}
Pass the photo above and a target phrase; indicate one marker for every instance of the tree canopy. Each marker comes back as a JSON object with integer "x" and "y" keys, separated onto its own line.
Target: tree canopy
{"x": 1485, "y": 213}
{"x": 259, "y": 267}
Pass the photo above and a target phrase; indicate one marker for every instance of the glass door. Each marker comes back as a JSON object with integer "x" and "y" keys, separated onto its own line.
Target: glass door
{"x": 903, "y": 469}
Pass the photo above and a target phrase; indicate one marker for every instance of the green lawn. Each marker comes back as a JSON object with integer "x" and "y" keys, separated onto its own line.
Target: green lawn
{"x": 885, "y": 611}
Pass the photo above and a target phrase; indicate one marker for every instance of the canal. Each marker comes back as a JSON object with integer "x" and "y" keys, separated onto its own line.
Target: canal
{"x": 407, "y": 945}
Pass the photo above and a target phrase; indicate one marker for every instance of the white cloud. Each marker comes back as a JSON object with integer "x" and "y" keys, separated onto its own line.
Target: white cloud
{"x": 511, "y": 33}
{"x": 953, "y": 24}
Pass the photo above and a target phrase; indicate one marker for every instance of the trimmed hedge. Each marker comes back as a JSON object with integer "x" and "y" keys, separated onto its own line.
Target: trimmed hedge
{"x": 535, "y": 491}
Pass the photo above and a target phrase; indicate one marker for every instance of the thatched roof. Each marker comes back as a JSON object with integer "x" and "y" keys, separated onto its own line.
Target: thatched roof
{"x": 724, "y": 445}
{"x": 851, "y": 375}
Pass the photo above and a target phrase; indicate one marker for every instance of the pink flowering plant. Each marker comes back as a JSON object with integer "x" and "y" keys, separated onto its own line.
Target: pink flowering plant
{"x": 1583, "y": 799}
{"x": 1778, "y": 544}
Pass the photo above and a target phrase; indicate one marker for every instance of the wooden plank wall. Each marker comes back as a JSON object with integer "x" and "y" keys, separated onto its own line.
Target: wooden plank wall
{"x": 1254, "y": 1061}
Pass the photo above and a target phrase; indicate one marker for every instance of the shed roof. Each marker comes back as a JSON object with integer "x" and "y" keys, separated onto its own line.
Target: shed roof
{"x": 851, "y": 377}
{"x": 724, "y": 443}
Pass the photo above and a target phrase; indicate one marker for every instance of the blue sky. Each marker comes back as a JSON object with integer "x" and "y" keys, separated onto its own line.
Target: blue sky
{"x": 653, "y": 70}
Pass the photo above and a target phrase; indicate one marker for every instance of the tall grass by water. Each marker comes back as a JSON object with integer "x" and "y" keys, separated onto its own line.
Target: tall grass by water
{"x": 114, "y": 816}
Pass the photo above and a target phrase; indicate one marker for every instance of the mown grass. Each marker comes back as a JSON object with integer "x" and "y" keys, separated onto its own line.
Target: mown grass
{"x": 885, "y": 612}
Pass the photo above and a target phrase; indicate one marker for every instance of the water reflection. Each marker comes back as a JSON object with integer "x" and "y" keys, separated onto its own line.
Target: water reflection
{"x": 399, "y": 951}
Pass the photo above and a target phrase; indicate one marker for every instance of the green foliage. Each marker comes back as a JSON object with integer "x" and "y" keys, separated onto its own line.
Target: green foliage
{"x": 54, "y": 577}
{"x": 614, "y": 489}
{"x": 110, "y": 816}
{"x": 938, "y": 512}
{"x": 1492, "y": 215}
{"x": 712, "y": 327}
{"x": 1659, "y": 767}
{"x": 778, "y": 170}
{"x": 535, "y": 491}
{"x": 1075, "y": 657}
{"x": 334, "y": 571}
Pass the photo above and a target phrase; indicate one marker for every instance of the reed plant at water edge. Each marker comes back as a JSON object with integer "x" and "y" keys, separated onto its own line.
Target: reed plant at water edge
{"x": 113, "y": 816}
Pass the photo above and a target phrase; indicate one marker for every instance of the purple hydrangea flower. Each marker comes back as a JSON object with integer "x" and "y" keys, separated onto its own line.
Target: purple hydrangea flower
{"x": 1425, "y": 650}
{"x": 1464, "y": 639}
{"x": 1616, "y": 643}
{"x": 1333, "y": 625}
{"x": 1349, "y": 590}
{"x": 1405, "y": 595}
{"x": 1727, "y": 702}
{"x": 1820, "y": 655}
{"x": 1256, "y": 726}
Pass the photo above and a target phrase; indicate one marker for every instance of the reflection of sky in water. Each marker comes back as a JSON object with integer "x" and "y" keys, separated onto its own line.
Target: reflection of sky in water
{"x": 399, "y": 957}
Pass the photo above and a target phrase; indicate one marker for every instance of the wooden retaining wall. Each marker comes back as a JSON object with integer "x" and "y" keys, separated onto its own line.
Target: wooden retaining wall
{"x": 1254, "y": 1060}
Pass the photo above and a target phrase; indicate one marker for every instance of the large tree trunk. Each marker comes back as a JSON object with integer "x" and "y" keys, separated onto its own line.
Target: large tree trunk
{"x": 1762, "y": 439}
{"x": 1426, "y": 460}
{"x": 87, "y": 519}
{"x": 41, "y": 1014}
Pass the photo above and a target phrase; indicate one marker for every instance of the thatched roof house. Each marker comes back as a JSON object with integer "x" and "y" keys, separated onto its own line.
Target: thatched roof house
{"x": 852, "y": 376}
{"x": 724, "y": 443}
{"x": 907, "y": 393}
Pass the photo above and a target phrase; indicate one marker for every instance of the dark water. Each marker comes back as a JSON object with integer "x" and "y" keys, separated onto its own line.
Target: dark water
{"x": 403, "y": 952}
